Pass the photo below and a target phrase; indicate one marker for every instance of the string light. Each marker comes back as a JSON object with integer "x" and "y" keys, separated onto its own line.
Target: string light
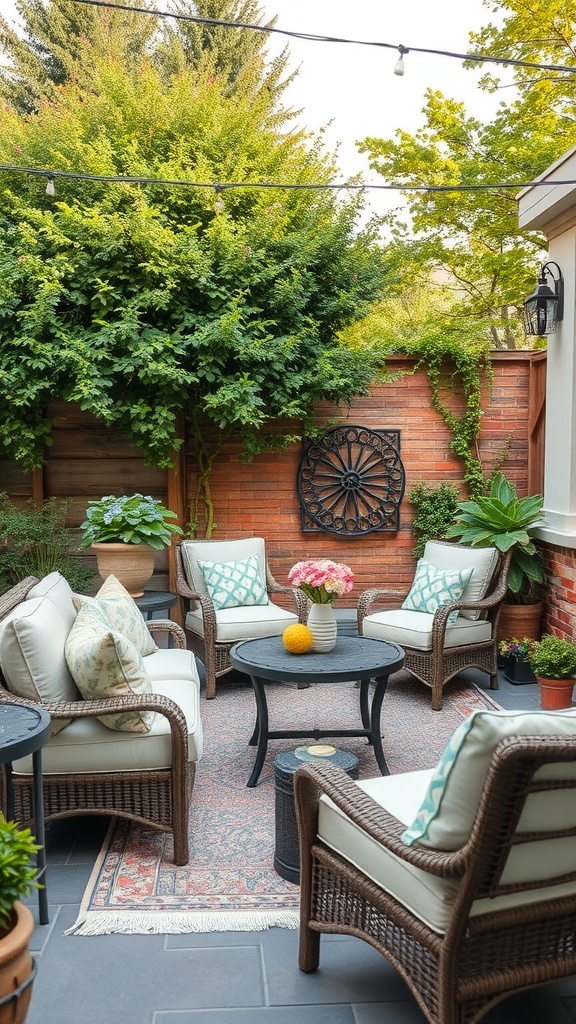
{"x": 219, "y": 206}
{"x": 399, "y": 69}
{"x": 218, "y": 187}
{"x": 50, "y": 187}
{"x": 477, "y": 58}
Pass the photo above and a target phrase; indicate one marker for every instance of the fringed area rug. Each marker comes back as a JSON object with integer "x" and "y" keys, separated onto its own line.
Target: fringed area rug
{"x": 230, "y": 883}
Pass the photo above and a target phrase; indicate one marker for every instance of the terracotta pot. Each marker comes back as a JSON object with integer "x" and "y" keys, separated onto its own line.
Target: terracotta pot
{"x": 555, "y": 694}
{"x": 16, "y": 967}
{"x": 132, "y": 564}
{"x": 520, "y": 620}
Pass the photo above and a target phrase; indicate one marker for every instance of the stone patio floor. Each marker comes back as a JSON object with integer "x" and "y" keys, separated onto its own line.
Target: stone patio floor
{"x": 239, "y": 977}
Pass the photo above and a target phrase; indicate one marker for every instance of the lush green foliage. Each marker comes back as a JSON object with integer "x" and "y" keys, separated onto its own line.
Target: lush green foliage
{"x": 458, "y": 368}
{"x": 504, "y": 521}
{"x": 468, "y": 245}
{"x": 553, "y": 657}
{"x": 34, "y": 541}
{"x": 435, "y": 511}
{"x": 139, "y": 302}
{"x": 138, "y": 519}
{"x": 17, "y": 874}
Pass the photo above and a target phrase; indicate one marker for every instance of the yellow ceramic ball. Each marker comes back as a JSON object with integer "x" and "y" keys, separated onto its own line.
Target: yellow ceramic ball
{"x": 297, "y": 639}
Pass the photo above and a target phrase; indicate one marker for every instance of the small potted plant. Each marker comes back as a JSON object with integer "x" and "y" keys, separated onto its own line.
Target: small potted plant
{"x": 322, "y": 580}
{"x": 553, "y": 661}
{"x": 517, "y": 669}
{"x": 17, "y": 878}
{"x": 130, "y": 529}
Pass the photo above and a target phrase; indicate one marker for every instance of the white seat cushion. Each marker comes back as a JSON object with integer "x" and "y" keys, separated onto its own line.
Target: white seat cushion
{"x": 457, "y": 556}
{"x": 32, "y": 640}
{"x": 88, "y": 746}
{"x": 244, "y": 623}
{"x": 431, "y": 898}
{"x": 414, "y": 629}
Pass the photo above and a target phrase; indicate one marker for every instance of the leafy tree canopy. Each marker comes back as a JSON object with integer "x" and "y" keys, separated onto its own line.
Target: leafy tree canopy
{"x": 470, "y": 241}
{"x": 138, "y": 302}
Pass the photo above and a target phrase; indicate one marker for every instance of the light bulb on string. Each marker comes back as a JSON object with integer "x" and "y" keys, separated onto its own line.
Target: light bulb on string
{"x": 219, "y": 206}
{"x": 50, "y": 187}
{"x": 399, "y": 67}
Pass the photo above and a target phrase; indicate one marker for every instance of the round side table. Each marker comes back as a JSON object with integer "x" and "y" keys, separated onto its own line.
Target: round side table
{"x": 25, "y": 729}
{"x": 287, "y": 850}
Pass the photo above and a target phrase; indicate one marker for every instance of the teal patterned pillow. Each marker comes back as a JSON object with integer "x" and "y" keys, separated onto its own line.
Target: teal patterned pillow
{"x": 234, "y": 584}
{"x": 433, "y": 588}
{"x": 122, "y": 612}
{"x": 430, "y": 805}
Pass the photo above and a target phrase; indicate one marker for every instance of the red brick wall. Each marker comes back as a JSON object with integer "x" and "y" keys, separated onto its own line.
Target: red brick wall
{"x": 260, "y": 498}
{"x": 560, "y": 613}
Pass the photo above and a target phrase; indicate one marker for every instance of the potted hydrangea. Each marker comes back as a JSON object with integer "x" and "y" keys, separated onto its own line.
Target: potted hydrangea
{"x": 129, "y": 528}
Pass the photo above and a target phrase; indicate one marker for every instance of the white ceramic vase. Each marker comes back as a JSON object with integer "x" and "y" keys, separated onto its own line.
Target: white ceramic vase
{"x": 322, "y": 624}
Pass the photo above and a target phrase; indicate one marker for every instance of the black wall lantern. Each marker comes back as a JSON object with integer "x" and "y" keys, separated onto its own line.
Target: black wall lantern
{"x": 544, "y": 308}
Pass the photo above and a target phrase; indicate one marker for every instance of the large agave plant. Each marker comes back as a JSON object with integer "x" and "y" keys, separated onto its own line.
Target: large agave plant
{"x": 503, "y": 520}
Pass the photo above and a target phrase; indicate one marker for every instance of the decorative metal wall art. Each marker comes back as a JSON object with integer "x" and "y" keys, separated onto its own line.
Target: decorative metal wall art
{"x": 351, "y": 481}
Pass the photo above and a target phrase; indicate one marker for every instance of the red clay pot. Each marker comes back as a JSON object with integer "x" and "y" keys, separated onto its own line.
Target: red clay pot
{"x": 555, "y": 694}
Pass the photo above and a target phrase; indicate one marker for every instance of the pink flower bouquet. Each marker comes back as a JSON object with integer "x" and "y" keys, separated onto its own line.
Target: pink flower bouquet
{"x": 322, "y": 580}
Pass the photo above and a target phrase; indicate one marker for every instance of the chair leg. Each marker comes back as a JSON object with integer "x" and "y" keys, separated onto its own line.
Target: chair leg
{"x": 210, "y": 666}
{"x": 494, "y": 684}
{"x": 309, "y": 949}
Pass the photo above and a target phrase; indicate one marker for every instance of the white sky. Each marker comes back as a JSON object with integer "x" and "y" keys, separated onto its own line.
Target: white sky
{"x": 355, "y": 87}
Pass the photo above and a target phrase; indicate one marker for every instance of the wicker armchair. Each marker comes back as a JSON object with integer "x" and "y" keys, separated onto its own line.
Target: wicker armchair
{"x": 505, "y": 928}
{"x": 435, "y": 650}
{"x": 146, "y": 789}
{"x": 211, "y": 633}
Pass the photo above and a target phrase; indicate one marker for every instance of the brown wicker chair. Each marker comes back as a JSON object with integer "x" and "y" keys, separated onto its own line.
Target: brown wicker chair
{"x": 159, "y": 798}
{"x": 204, "y": 625}
{"x": 478, "y": 958}
{"x": 434, "y": 650}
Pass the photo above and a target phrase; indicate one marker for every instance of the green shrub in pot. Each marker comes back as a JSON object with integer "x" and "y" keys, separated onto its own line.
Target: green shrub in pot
{"x": 553, "y": 657}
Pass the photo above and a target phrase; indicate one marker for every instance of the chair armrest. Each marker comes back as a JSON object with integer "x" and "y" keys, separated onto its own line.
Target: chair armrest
{"x": 313, "y": 780}
{"x": 298, "y": 597}
{"x": 110, "y": 705}
{"x": 376, "y": 595}
{"x": 168, "y": 626}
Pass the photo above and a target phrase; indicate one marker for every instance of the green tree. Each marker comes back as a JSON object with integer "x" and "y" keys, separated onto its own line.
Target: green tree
{"x": 139, "y": 302}
{"x": 469, "y": 241}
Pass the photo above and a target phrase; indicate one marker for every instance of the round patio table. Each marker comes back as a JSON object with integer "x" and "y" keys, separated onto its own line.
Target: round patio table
{"x": 266, "y": 660}
{"x": 24, "y": 729}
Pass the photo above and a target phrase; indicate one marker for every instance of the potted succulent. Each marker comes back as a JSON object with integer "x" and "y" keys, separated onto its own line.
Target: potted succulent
{"x": 515, "y": 654}
{"x": 553, "y": 661}
{"x": 503, "y": 520}
{"x": 129, "y": 528}
{"x": 17, "y": 878}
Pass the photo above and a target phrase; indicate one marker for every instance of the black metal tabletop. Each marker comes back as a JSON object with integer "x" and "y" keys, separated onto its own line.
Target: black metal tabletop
{"x": 23, "y": 730}
{"x": 353, "y": 657}
{"x": 155, "y": 601}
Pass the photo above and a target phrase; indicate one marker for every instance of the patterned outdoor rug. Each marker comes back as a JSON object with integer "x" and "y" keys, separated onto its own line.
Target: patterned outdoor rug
{"x": 230, "y": 883}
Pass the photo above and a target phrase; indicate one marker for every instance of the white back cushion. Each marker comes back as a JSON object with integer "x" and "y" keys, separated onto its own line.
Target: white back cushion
{"x": 55, "y": 587}
{"x": 457, "y": 556}
{"x": 449, "y": 807}
{"x": 219, "y": 551}
{"x": 32, "y": 641}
